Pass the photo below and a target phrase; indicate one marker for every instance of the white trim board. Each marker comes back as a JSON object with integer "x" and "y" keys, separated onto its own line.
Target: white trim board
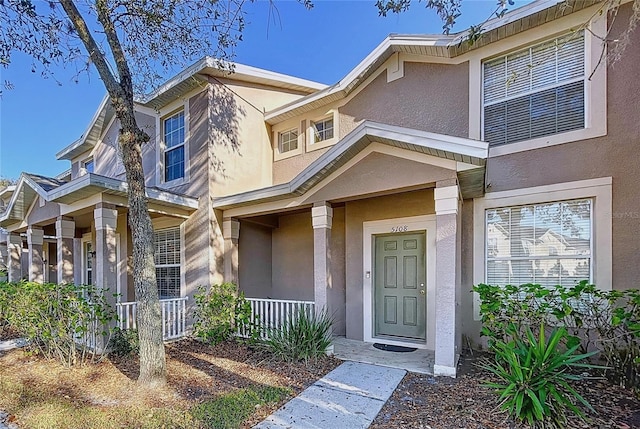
{"x": 426, "y": 223}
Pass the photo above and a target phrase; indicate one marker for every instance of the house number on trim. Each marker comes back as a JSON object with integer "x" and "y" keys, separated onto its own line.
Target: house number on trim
{"x": 400, "y": 228}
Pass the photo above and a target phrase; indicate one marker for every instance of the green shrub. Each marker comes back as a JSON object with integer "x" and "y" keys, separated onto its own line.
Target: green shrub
{"x": 57, "y": 319}
{"x": 304, "y": 336}
{"x": 534, "y": 376}
{"x": 608, "y": 321}
{"x": 124, "y": 342}
{"x": 229, "y": 411}
{"x": 220, "y": 312}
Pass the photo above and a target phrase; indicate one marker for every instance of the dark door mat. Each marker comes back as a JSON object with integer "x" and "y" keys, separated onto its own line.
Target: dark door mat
{"x": 390, "y": 348}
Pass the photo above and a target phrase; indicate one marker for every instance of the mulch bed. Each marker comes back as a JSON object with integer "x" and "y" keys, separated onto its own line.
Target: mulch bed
{"x": 196, "y": 373}
{"x": 230, "y": 365}
{"x": 427, "y": 402}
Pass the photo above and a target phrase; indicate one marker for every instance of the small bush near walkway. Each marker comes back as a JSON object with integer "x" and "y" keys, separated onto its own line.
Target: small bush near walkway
{"x": 305, "y": 336}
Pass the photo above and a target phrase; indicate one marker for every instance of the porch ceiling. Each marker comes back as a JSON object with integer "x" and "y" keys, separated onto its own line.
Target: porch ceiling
{"x": 472, "y": 153}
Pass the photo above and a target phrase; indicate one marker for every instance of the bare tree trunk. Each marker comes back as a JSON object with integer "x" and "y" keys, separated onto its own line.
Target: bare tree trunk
{"x": 152, "y": 354}
{"x": 153, "y": 370}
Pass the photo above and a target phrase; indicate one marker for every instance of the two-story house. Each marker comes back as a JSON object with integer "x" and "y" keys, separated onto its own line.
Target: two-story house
{"x": 432, "y": 166}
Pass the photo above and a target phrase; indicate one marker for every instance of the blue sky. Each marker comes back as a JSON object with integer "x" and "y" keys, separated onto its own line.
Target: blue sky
{"x": 38, "y": 117}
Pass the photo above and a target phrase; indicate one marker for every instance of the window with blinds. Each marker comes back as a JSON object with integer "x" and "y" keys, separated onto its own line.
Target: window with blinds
{"x": 535, "y": 92}
{"x": 167, "y": 261}
{"x": 548, "y": 244}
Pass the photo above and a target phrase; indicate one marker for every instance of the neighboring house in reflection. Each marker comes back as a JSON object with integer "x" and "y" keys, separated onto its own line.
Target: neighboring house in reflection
{"x": 431, "y": 166}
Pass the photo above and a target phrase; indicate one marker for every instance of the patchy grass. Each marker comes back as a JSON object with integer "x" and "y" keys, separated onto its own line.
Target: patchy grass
{"x": 227, "y": 386}
{"x": 230, "y": 410}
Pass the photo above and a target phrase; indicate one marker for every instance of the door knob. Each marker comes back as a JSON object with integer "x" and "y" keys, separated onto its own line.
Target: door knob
{"x": 422, "y": 292}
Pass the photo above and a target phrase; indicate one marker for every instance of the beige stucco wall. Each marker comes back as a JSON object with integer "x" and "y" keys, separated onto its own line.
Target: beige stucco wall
{"x": 356, "y": 212}
{"x": 254, "y": 256}
{"x": 292, "y": 241}
{"x": 44, "y": 214}
{"x": 243, "y": 154}
{"x": 379, "y": 173}
{"x": 430, "y": 97}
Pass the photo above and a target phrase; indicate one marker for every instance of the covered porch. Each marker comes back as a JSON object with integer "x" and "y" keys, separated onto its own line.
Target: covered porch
{"x": 369, "y": 232}
{"x": 76, "y": 232}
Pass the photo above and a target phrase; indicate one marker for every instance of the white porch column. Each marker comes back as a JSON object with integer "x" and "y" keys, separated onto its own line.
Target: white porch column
{"x": 14, "y": 257}
{"x": 322, "y": 219}
{"x": 447, "y": 279}
{"x": 35, "y": 239}
{"x": 105, "y": 263}
{"x": 65, "y": 231}
{"x": 231, "y": 233}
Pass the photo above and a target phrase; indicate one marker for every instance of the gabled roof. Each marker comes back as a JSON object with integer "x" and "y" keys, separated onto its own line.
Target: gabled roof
{"x": 190, "y": 78}
{"x": 459, "y": 149}
{"x": 30, "y": 186}
{"x": 444, "y": 46}
{"x": 89, "y": 138}
{"x": 193, "y": 77}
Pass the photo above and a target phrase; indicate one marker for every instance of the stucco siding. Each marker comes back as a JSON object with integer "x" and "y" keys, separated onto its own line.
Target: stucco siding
{"x": 430, "y": 97}
{"x": 470, "y": 326}
{"x": 356, "y": 212}
{"x": 286, "y": 169}
{"x": 615, "y": 155}
{"x": 43, "y": 213}
{"x": 107, "y": 161}
{"x": 254, "y": 256}
{"x": 292, "y": 276}
{"x": 380, "y": 173}
{"x": 337, "y": 295}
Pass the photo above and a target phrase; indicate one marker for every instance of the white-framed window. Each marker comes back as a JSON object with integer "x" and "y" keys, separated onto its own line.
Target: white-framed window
{"x": 167, "y": 261}
{"x": 88, "y": 165}
{"x": 535, "y": 92}
{"x": 288, "y": 140}
{"x": 547, "y": 243}
{"x": 322, "y": 130}
{"x": 174, "y": 146}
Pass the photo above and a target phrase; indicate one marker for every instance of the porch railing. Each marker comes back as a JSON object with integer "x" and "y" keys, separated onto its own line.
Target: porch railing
{"x": 268, "y": 314}
{"x": 174, "y": 314}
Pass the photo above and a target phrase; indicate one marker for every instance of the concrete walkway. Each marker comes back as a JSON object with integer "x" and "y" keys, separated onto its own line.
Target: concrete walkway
{"x": 348, "y": 397}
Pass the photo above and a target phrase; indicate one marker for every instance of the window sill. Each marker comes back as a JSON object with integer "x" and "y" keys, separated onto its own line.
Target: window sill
{"x": 546, "y": 141}
{"x": 175, "y": 182}
{"x": 277, "y": 156}
{"x": 322, "y": 144}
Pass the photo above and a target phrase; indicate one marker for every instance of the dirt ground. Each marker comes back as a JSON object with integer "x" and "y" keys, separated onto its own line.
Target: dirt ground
{"x": 427, "y": 402}
{"x": 93, "y": 394}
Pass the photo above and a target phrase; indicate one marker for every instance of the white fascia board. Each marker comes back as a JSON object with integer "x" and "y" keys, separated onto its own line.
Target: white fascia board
{"x": 91, "y": 179}
{"x": 238, "y": 69}
{"x": 388, "y": 43}
{"x": 22, "y": 182}
{"x": 509, "y": 17}
{"x": 83, "y": 138}
{"x": 244, "y": 70}
{"x": 459, "y": 145}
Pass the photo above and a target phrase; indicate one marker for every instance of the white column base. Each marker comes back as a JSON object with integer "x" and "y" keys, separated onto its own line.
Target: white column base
{"x": 444, "y": 371}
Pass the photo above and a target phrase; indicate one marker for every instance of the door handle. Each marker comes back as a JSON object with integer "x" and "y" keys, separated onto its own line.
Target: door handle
{"x": 422, "y": 292}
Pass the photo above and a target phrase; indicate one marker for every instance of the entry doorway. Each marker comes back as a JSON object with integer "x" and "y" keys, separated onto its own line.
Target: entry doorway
{"x": 400, "y": 286}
